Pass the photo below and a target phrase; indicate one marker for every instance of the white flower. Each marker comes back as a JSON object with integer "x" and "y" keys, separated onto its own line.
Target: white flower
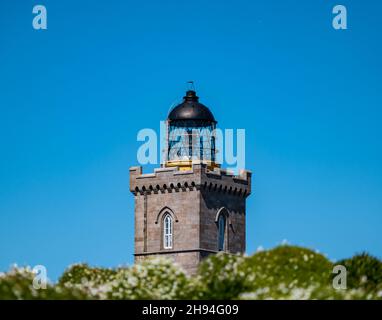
{"x": 259, "y": 249}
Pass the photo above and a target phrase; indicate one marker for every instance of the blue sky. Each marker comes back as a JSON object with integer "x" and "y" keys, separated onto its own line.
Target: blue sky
{"x": 73, "y": 97}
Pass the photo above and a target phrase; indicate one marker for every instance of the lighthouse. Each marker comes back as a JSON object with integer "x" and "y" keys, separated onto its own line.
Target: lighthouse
{"x": 189, "y": 207}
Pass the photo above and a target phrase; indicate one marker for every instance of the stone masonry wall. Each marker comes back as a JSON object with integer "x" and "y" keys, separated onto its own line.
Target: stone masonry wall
{"x": 193, "y": 198}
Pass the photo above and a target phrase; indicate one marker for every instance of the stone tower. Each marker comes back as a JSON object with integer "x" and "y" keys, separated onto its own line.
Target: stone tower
{"x": 190, "y": 207}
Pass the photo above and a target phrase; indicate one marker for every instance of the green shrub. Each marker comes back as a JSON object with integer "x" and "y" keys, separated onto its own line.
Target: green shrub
{"x": 91, "y": 282}
{"x": 80, "y": 273}
{"x": 290, "y": 265}
{"x": 18, "y": 284}
{"x": 222, "y": 276}
{"x": 285, "y": 272}
{"x": 363, "y": 271}
{"x": 155, "y": 278}
{"x": 152, "y": 279}
{"x": 288, "y": 272}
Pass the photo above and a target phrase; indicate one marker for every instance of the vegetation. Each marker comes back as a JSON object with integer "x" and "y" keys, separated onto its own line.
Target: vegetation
{"x": 364, "y": 271}
{"x": 285, "y": 272}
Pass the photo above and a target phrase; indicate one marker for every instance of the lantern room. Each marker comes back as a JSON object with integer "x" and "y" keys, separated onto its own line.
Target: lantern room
{"x": 190, "y": 134}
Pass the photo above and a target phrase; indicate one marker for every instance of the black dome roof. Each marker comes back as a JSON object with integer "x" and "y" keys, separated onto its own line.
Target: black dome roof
{"x": 191, "y": 109}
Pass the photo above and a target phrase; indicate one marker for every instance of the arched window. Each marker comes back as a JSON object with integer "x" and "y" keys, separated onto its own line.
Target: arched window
{"x": 221, "y": 232}
{"x": 167, "y": 231}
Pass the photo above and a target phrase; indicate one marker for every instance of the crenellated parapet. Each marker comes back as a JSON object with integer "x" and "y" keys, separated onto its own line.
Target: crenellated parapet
{"x": 171, "y": 179}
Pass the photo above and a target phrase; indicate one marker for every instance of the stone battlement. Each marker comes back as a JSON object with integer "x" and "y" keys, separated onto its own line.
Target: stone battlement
{"x": 171, "y": 179}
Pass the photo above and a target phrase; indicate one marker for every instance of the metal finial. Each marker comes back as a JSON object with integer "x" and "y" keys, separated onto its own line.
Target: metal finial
{"x": 191, "y": 85}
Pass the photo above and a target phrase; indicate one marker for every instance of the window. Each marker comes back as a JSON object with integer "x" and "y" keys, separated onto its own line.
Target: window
{"x": 221, "y": 232}
{"x": 167, "y": 232}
